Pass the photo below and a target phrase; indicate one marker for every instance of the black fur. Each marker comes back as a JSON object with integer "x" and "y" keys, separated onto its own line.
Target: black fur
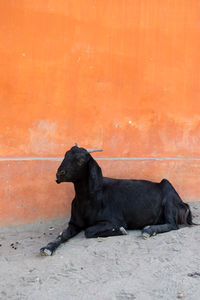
{"x": 106, "y": 207}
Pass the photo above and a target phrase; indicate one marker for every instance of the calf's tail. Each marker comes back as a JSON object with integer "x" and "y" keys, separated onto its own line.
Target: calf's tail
{"x": 184, "y": 214}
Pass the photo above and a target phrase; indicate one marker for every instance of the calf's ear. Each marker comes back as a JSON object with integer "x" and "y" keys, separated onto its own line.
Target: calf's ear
{"x": 95, "y": 178}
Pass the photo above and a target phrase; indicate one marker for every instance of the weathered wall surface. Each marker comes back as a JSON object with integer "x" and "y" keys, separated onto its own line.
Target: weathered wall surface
{"x": 119, "y": 75}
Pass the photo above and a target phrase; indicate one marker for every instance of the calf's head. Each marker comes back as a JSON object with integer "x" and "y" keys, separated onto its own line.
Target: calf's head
{"x": 75, "y": 165}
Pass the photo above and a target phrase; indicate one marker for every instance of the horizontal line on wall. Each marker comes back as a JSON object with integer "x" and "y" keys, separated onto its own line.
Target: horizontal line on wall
{"x": 99, "y": 158}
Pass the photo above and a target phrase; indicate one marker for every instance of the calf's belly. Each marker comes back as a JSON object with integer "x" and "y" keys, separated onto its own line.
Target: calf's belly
{"x": 141, "y": 219}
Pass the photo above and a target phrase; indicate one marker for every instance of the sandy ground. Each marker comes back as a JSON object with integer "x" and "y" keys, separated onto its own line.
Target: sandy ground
{"x": 114, "y": 268}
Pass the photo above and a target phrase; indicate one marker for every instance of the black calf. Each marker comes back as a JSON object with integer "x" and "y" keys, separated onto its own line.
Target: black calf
{"x": 107, "y": 207}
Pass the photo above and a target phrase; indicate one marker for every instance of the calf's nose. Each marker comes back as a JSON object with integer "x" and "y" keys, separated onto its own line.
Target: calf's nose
{"x": 59, "y": 173}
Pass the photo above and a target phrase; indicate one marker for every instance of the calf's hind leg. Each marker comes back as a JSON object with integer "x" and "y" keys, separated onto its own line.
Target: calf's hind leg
{"x": 154, "y": 229}
{"x": 169, "y": 221}
{"x": 104, "y": 229}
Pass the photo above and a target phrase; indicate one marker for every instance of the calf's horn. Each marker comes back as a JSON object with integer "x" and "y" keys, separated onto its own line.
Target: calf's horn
{"x": 94, "y": 150}
{"x": 90, "y": 150}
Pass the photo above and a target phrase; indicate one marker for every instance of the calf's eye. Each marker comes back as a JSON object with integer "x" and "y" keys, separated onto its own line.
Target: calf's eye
{"x": 80, "y": 161}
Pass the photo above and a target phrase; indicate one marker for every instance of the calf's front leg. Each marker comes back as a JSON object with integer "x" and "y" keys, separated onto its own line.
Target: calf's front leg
{"x": 63, "y": 237}
{"x": 104, "y": 229}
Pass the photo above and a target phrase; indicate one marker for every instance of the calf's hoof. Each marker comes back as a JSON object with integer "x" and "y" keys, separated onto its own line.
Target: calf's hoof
{"x": 147, "y": 232}
{"x": 123, "y": 230}
{"x": 145, "y": 235}
{"x": 45, "y": 252}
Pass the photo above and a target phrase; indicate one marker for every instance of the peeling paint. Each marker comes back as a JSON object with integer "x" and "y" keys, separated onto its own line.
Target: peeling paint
{"x": 88, "y": 49}
{"x": 42, "y": 136}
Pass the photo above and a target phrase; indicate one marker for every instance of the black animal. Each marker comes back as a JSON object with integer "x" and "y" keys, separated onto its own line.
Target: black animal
{"x": 107, "y": 207}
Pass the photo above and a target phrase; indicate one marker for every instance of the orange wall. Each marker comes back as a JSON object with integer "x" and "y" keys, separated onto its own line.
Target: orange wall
{"x": 122, "y": 75}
